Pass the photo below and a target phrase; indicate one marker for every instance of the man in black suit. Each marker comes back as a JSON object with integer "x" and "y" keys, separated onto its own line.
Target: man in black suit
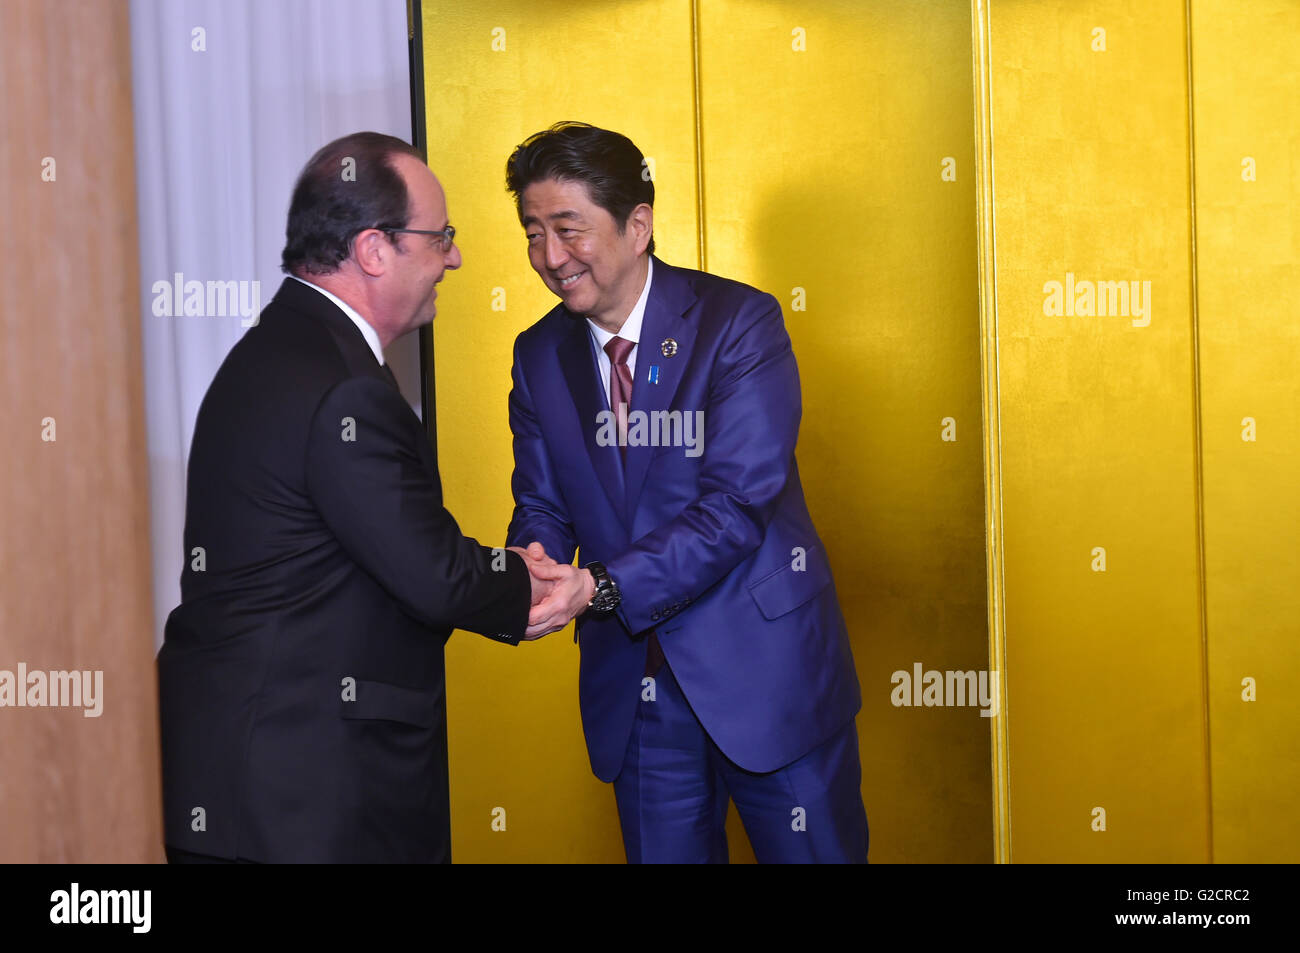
{"x": 301, "y": 678}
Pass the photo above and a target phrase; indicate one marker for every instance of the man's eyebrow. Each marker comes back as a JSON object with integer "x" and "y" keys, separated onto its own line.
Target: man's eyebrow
{"x": 563, "y": 215}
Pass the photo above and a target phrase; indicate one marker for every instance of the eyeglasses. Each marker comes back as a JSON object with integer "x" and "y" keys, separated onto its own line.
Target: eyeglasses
{"x": 448, "y": 234}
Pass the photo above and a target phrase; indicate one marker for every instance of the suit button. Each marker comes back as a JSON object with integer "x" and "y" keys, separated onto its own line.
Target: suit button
{"x": 655, "y": 615}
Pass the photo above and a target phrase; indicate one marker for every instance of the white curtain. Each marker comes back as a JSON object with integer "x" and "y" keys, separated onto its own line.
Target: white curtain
{"x": 231, "y": 98}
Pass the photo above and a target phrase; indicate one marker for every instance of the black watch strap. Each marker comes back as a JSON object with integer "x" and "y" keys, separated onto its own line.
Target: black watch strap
{"x": 607, "y": 596}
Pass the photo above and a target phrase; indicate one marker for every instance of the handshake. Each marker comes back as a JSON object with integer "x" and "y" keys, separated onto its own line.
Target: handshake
{"x": 560, "y": 592}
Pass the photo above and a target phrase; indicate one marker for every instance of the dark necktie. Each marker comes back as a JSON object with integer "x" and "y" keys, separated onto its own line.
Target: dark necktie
{"x": 620, "y": 385}
{"x": 388, "y": 372}
{"x": 620, "y": 392}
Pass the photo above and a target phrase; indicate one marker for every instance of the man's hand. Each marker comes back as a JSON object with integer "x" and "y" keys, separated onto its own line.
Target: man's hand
{"x": 535, "y": 556}
{"x": 571, "y": 591}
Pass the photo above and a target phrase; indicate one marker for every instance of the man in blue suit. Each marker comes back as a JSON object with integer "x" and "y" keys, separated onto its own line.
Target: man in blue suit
{"x": 655, "y": 412}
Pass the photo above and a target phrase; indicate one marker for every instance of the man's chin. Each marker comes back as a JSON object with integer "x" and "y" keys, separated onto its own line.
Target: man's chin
{"x": 419, "y": 322}
{"x": 578, "y": 304}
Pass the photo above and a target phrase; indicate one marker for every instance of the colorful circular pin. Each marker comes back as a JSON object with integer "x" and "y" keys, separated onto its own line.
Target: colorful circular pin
{"x": 669, "y": 347}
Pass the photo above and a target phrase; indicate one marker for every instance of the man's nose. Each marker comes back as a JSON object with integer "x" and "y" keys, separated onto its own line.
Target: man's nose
{"x": 556, "y": 255}
{"x": 452, "y": 258}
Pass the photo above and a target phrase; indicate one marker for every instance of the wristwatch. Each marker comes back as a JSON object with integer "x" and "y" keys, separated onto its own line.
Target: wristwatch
{"x": 606, "y": 597}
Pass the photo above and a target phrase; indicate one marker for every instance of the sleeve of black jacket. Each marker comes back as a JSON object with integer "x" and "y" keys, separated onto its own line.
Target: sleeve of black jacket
{"x": 373, "y": 476}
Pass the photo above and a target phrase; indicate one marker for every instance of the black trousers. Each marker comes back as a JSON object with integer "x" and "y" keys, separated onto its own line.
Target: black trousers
{"x": 177, "y": 856}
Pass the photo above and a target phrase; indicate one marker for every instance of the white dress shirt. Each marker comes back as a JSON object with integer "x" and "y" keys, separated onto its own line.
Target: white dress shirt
{"x": 370, "y": 334}
{"x": 630, "y": 331}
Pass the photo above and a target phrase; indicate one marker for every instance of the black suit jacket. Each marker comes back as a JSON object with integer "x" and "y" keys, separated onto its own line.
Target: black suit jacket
{"x": 301, "y": 679}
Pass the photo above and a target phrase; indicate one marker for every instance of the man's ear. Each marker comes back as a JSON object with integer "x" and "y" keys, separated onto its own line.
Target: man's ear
{"x": 371, "y": 249}
{"x": 642, "y": 223}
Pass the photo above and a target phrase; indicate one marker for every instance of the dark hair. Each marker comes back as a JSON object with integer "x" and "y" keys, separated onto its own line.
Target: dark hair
{"x": 335, "y": 198}
{"x": 609, "y": 164}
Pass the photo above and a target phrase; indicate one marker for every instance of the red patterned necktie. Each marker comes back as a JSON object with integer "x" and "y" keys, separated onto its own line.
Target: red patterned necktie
{"x": 620, "y": 392}
{"x": 620, "y": 385}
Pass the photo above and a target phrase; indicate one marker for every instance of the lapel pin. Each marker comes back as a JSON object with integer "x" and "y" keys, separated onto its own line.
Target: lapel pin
{"x": 669, "y": 347}
{"x": 654, "y": 373}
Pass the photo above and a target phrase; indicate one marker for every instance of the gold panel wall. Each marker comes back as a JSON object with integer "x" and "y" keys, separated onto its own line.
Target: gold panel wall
{"x": 1141, "y": 352}
{"x": 1090, "y": 166}
{"x": 836, "y": 173}
{"x": 1246, "y": 95}
{"x": 839, "y": 175}
{"x": 1139, "y": 235}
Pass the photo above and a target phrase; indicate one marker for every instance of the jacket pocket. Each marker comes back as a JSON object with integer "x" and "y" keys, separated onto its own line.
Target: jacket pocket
{"x": 380, "y": 701}
{"x": 785, "y": 589}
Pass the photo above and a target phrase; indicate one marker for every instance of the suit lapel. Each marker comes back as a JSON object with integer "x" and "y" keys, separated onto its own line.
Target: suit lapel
{"x": 578, "y": 360}
{"x": 670, "y": 298}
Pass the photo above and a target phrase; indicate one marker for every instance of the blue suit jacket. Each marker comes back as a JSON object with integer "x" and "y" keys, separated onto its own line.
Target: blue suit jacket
{"x": 716, "y": 553}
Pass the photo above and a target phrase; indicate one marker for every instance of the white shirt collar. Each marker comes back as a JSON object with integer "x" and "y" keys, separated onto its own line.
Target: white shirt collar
{"x": 370, "y": 334}
{"x": 631, "y": 329}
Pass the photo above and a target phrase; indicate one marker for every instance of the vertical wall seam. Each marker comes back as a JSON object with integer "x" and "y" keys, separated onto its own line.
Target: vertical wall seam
{"x": 1198, "y": 475}
{"x": 990, "y": 382}
{"x": 699, "y": 134}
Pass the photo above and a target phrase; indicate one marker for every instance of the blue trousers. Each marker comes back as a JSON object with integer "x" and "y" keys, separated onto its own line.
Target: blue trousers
{"x": 673, "y": 790}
